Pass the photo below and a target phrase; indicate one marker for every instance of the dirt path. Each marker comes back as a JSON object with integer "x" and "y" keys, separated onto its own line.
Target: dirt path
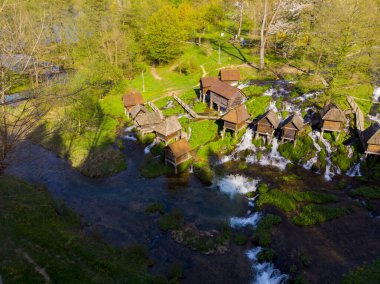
{"x": 203, "y": 70}
{"x": 155, "y": 74}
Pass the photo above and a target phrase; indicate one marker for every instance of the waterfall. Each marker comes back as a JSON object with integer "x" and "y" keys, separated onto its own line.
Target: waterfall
{"x": 149, "y": 147}
{"x": 355, "y": 170}
{"x": 274, "y": 158}
{"x": 314, "y": 136}
{"x": 236, "y": 184}
{"x": 329, "y": 172}
{"x": 250, "y": 220}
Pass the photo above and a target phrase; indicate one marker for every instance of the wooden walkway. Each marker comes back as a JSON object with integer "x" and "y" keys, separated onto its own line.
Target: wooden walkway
{"x": 187, "y": 108}
{"x": 155, "y": 109}
{"x": 359, "y": 117}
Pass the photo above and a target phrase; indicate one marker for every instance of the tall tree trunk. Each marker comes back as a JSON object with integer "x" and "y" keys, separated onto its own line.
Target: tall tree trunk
{"x": 263, "y": 36}
{"x": 240, "y": 17}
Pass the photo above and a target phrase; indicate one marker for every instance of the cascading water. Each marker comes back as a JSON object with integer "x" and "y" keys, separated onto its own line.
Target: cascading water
{"x": 236, "y": 184}
{"x": 149, "y": 147}
{"x": 314, "y": 136}
{"x": 355, "y": 170}
{"x": 329, "y": 172}
{"x": 274, "y": 158}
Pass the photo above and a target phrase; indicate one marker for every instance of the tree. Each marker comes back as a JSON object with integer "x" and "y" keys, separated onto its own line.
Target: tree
{"x": 165, "y": 35}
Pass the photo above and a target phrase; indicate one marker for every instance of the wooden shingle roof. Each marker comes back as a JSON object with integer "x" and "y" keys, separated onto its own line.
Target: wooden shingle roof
{"x": 271, "y": 116}
{"x": 149, "y": 118}
{"x": 225, "y": 90}
{"x": 132, "y": 99}
{"x": 333, "y": 113}
{"x": 209, "y": 81}
{"x": 295, "y": 120}
{"x": 237, "y": 115}
{"x": 168, "y": 126}
{"x": 372, "y": 135}
{"x": 180, "y": 147}
{"x": 229, "y": 75}
{"x": 136, "y": 109}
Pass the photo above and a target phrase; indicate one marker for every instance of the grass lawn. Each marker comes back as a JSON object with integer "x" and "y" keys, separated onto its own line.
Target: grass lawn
{"x": 314, "y": 214}
{"x": 369, "y": 192}
{"x": 256, "y": 106}
{"x": 38, "y": 232}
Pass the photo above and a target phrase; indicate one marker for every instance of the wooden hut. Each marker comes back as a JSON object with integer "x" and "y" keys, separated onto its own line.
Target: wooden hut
{"x": 205, "y": 84}
{"x": 291, "y": 127}
{"x": 137, "y": 111}
{"x": 225, "y": 97}
{"x": 372, "y": 140}
{"x": 230, "y": 76}
{"x": 266, "y": 125}
{"x": 132, "y": 99}
{"x": 168, "y": 129}
{"x": 147, "y": 122}
{"x": 333, "y": 119}
{"x": 177, "y": 153}
{"x": 235, "y": 119}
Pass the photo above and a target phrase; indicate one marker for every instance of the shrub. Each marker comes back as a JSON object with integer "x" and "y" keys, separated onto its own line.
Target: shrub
{"x": 187, "y": 67}
{"x": 240, "y": 239}
{"x": 171, "y": 221}
{"x": 314, "y": 214}
{"x": 364, "y": 275}
{"x": 266, "y": 255}
{"x": 263, "y": 188}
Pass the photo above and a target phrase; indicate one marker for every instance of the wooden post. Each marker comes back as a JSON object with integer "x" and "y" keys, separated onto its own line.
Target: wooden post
{"x": 294, "y": 143}
{"x": 211, "y": 103}
{"x": 175, "y": 169}
{"x": 218, "y": 108}
{"x": 223, "y": 132}
{"x": 337, "y": 138}
{"x": 320, "y": 137}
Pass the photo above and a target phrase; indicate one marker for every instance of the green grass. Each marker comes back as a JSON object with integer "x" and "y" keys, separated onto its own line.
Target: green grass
{"x": 364, "y": 274}
{"x": 152, "y": 168}
{"x": 175, "y": 109}
{"x": 173, "y": 220}
{"x": 256, "y": 106}
{"x": 314, "y": 197}
{"x": 315, "y": 214}
{"x": 302, "y": 152}
{"x": 202, "y": 132}
{"x": 255, "y": 90}
{"x": 278, "y": 198}
{"x": 369, "y": 192}
{"x": 32, "y": 223}
{"x": 262, "y": 234}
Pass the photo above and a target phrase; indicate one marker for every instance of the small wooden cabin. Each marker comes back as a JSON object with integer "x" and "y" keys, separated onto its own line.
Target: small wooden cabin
{"x": 372, "y": 140}
{"x": 132, "y": 99}
{"x": 291, "y": 127}
{"x": 235, "y": 119}
{"x": 266, "y": 125}
{"x": 225, "y": 97}
{"x": 177, "y": 153}
{"x": 205, "y": 84}
{"x": 147, "y": 122}
{"x": 333, "y": 119}
{"x": 137, "y": 111}
{"x": 230, "y": 76}
{"x": 168, "y": 129}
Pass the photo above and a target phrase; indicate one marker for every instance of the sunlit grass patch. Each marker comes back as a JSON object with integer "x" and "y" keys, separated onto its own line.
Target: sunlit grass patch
{"x": 315, "y": 214}
{"x": 262, "y": 234}
{"x": 369, "y": 192}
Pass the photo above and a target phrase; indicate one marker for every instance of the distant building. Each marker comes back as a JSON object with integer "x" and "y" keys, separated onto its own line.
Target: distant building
{"x": 235, "y": 119}
{"x": 225, "y": 97}
{"x": 230, "y": 76}
{"x": 131, "y": 100}
{"x": 168, "y": 129}
{"x": 177, "y": 153}
{"x": 291, "y": 127}
{"x": 266, "y": 125}
{"x": 372, "y": 140}
{"x": 333, "y": 119}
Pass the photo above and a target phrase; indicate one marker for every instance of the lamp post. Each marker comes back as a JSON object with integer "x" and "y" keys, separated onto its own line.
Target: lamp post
{"x": 221, "y": 35}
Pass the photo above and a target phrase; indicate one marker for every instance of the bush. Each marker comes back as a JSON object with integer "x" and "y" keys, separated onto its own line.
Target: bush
{"x": 303, "y": 150}
{"x": 171, "y": 221}
{"x": 266, "y": 255}
{"x": 187, "y": 67}
{"x": 262, "y": 234}
{"x": 364, "y": 275}
{"x": 315, "y": 214}
{"x": 369, "y": 192}
{"x": 263, "y": 188}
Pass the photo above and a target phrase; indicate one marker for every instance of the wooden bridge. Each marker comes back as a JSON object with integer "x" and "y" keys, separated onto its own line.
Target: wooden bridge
{"x": 155, "y": 109}
{"x": 359, "y": 118}
{"x": 187, "y": 108}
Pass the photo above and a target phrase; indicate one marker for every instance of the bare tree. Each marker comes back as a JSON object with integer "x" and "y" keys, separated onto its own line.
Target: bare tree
{"x": 241, "y": 12}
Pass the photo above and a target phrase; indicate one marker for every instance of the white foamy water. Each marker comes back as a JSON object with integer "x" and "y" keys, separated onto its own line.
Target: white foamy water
{"x": 355, "y": 170}
{"x": 265, "y": 273}
{"x": 129, "y": 129}
{"x": 329, "y": 172}
{"x": 376, "y": 95}
{"x": 130, "y": 137}
{"x": 314, "y": 136}
{"x": 246, "y": 142}
{"x": 250, "y": 220}
{"x": 149, "y": 147}
{"x": 236, "y": 184}
{"x": 274, "y": 158}
{"x": 374, "y": 118}
{"x": 307, "y": 96}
